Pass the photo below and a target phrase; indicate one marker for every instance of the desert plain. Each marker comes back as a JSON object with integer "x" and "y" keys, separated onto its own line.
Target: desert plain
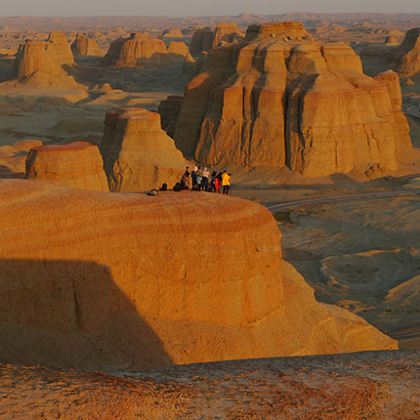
{"x": 296, "y": 296}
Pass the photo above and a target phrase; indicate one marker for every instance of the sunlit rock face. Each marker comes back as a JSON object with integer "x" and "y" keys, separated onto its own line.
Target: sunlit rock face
{"x": 138, "y": 155}
{"x": 282, "y": 100}
{"x": 76, "y": 165}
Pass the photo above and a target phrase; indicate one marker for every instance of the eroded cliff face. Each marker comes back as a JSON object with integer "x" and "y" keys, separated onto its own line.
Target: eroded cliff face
{"x": 77, "y": 165}
{"x": 280, "y": 99}
{"x": 138, "y": 155}
{"x": 99, "y": 281}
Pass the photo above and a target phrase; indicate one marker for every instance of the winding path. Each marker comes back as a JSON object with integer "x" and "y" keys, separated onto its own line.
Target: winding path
{"x": 274, "y": 208}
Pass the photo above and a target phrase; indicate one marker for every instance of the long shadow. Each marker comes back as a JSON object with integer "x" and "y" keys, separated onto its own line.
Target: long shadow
{"x": 7, "y": 173}
{"x": 71, "y": 314}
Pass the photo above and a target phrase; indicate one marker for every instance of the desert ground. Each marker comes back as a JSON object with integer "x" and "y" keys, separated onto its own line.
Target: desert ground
{"x": 318, "y": 255}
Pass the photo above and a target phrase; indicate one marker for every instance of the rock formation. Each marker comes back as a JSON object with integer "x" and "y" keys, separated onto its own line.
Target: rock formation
{"x": 169, "y": 111}
{"x": 59, "y": 49}
{"x": 279, "y": 99}
{"x": 391, "y": 40}
{"x": 138, "y": 155}
{"x": 364, "y": 385}
{"x": 76, "y": 165}
{"x": 136, "y": 49}
{"x": 392, "y": 81}
{"x": 32, "y": 58}
{"x": 95, "y": 280}
{"x": 84, "y": 46}
{"x": 407, "y": 55}
{"x": 44, "y": 65}
{"x": 204, "y": 39}
{"x": 178, "y": 52}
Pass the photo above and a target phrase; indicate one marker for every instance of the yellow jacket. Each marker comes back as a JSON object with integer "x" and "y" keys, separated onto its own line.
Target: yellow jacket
{"x": 225, "y": 179}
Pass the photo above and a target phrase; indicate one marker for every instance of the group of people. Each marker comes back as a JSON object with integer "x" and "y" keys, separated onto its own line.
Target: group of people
{"x": 199, "y": 179}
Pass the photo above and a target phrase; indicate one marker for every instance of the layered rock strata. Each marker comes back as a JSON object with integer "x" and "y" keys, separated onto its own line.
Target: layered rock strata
{"x": 76, "y": 165}
{"x": 104, "y": 281}
{"x": 84, "y": 46}
{"x": 138, "y": 48}
{"x": 281, "y": 100}
{"x": 138, "y": 155}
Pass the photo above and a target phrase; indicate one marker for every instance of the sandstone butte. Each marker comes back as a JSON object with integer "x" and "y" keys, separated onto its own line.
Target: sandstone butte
{"x": 138, "y": 48}
{"x": 43, "y": 65}
{"x": 78, "y": 165}
{"x": 84, "y": 46}
{"x": 377, "y": 385}
{"x": 204, "y": 39}
{"x": 95, "y": 280}
{"x": 138, "y": 155}
{"x": 406, "y": 57}
{"x": 282, "y": 100}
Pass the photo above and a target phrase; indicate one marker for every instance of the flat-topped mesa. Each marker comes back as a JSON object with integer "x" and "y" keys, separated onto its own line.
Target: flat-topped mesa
{"x": 77, "y": 165}
{"x": 407, "y": 55}
{"x": 84, "y": 46}
{"x": 137, "y": 49}
{"x": 287, "y": 31}
{"x": 110, "y": 280}
{"x": 280, "y": 102}
{"x": 204, "y": 39}
{"x": 138, "y": 155}
{"x": 59, "y": 49}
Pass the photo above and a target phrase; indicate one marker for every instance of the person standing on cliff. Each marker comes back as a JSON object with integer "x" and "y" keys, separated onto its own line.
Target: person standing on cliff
{"x": 225, "y": 182}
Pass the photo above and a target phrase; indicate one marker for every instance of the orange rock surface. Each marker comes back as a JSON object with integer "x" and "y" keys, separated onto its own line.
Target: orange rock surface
{"x": 59, "y": 49}
{"x": 76, "y": 165}
{"x": 99, "y": 281}
{"x": 364, "y": 385}
{"x": 134, "y": 50}
{"x": 84, "y": 46}
{"x": 138, "y": 154}
{"x": 279, "y": 99}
